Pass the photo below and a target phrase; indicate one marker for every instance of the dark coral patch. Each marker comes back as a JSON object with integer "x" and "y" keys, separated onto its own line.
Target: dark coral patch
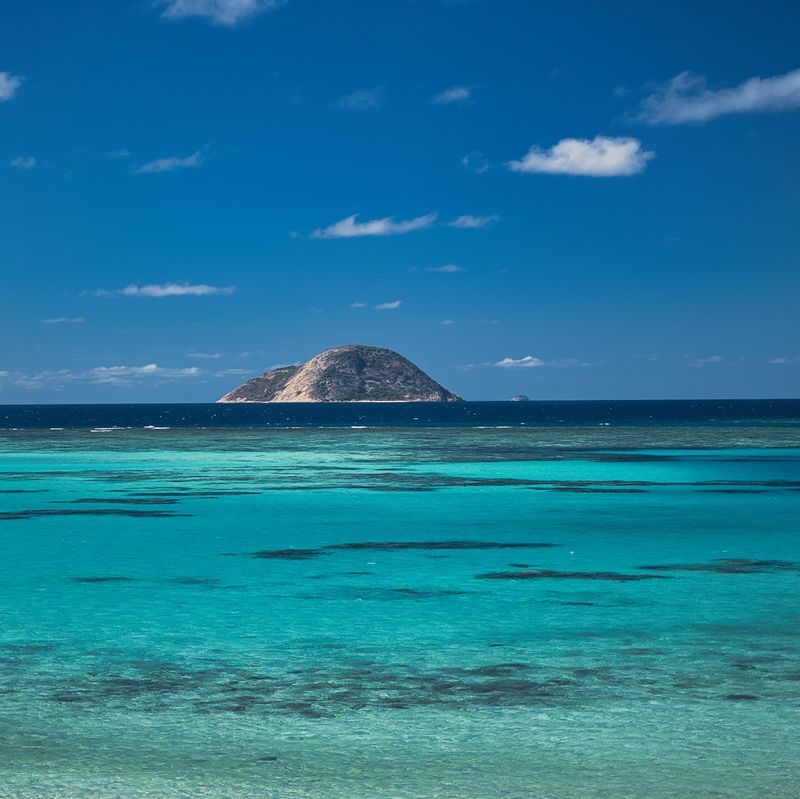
{"x": 289, "y": 554}
{"x": 32, "y": 514}
{"x": 123, "y": 501}
{"x": 731, "y": 566}
{"x": 401, "y": 545}
{"x": 545, "y": 574}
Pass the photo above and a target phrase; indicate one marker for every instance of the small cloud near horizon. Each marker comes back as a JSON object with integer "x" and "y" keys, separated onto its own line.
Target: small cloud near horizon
{"x": 9, "y": 85}
{"x": 122, "y": 375}
{"x": 455, "y": 94}
{"x": 209, "y": 356}
{"x": 361, "y": 100}
{"x": 170, "y": 164}
{"x": 358, "y": 304}
{"x": 350, "y": 227}
{"x": 603, "y": 156}
{"x": 226, "y": 13}
{"x": 447, "y": 268}
{"x": 64, "y": 320}
{"x": 159, "y": 290}
{"x": 388, "y": 306}
{"x": 686, "y": 98}
{"x": 784, "y": 360}
{"x": 470, "y": 222}
{"x": 526, "y": 362}
{"x": 24, "y": 162}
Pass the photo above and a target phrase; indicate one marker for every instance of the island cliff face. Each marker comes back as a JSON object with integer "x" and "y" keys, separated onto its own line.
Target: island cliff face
{"x": 352, "y": 373}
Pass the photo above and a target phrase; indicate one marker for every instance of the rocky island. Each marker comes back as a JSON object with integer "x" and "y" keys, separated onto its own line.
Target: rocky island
{"x": 351, "y": 373}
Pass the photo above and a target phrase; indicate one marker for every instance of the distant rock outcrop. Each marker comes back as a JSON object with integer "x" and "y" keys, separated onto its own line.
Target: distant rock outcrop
{"x": 520, "y": 398}
{"x": 352, "y": 373}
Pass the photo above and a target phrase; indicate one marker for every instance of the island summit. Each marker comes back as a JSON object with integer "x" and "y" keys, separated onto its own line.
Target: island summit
{"x": 351, "y": 373}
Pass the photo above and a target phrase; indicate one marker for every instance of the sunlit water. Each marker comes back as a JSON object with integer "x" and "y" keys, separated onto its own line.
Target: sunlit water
{"x": 339, "y": 613}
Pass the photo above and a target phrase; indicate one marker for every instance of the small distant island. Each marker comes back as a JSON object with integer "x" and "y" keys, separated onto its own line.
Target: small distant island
{"x": 520, "y": 398}
{"x": 350, "y": 373}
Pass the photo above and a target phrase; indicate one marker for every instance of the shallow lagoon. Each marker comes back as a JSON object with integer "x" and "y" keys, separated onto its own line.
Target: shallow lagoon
{"x": 326, "y": 613}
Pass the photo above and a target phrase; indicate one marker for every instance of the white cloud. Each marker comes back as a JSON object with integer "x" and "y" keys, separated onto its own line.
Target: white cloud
{"x": 171, "y": 163}
{"x": 205, "y": 356}
{"x": 227, "y": 372}
{"x": 362, "y": 100}
{"x": 219, "y": 12}
{"x": 54, "y": 379}
{"x": 126, "y": 374}
{"x": 8, "y": 86}
{"x": 711, "y": 359}
{"x": 166, "y": 290}
{"x": 23, "y": 162}
{"x": 603, "y": 156}
{"x": 447, "y": 322}
{"x": 475, "y": 162}
{"x": 350, "y": 227}
{"x": 526, "y": 362}
{"x": 388, "y": 306}
{"x": 785, "y": 360}
{"x": 473, "y": 222}
{"x": 445, "y": 268}
{"x": 64, "y": 320}
{"x": 687, "y": 98}
{"x": 358, "y": 305}
{"x": 123, "y": 153}
{"x": 455, "y": 94}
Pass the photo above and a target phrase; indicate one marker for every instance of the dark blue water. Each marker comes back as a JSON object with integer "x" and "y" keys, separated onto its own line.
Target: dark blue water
{"x": 412, "y": 414}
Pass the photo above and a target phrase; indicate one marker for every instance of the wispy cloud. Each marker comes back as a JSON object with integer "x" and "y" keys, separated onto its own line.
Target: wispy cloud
{"x": 220, "y": 12}
{"x": 447, "y": 268}
{"x": 124, "y": 152}
{"x": 361, "y": 100}
{"x": 470, "y": 222}
{"x": 127, "y": 374}
{"x": 603, "y": 156}
{"x": 204, "y": 356}
{"x": 64, "y": 320}
{"x": 171, "y": 164}
{"x": 9, "y": 84}
{"x": 707, "y": 361}
{"x": 165, "y": 290}
{"x": 687, "y": 98}
{"x": 785, "y": 360}
{"x": 475, "y": 162}
{"x": 455, "y": 94}
{"x": 234, "y": 371}
{"x": 23, "y": 162}
{"x": 55, "y": 379}
{"x": 526, "y": 362}
{"x": 350, "y": 227}
{"x": 447, "y": 322}
{"x": 388, "y": 306}
{"x": 358, "y": 304}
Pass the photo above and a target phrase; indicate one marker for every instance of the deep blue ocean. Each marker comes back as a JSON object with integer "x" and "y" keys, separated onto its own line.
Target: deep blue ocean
{"x": 543, "y": 600}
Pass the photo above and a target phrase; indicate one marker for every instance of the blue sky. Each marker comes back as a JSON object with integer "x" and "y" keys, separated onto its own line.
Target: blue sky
{"x": 570, "y": 201}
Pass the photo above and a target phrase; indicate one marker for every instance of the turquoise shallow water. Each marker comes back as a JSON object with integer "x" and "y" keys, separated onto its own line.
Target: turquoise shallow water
{"x": 400, "y": 613}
